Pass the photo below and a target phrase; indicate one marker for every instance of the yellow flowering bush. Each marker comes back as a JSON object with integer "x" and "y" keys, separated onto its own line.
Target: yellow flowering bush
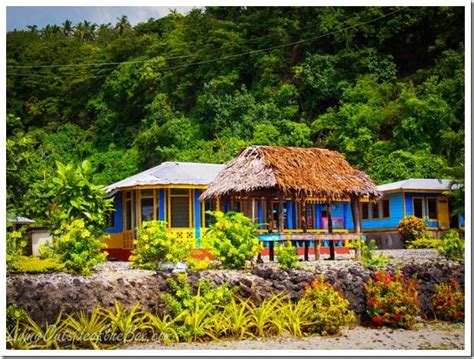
{"x": 26, "y": 264}
{"x": 330, "y": 310}
{"x": 232, "y": 238}
{"x": 412, "y": 228}
{"x": 155, "y": 244}
{"x": 76, "y": 247}
{"x": 15, "y": 243}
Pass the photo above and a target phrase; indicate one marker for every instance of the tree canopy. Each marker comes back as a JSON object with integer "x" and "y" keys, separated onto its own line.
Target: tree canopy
{"x": 382, "y": 85}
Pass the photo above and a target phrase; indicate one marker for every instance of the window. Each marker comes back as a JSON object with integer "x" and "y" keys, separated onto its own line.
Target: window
{"x": 310, "y": 216}
{"x": 380, "y": 210}
{"x": 147, "y": 209}
{"x": 128, "y": 211}
{"x": 111, "y": 219}
{"x": 276, "y": 215}
{"x": 432, "y": 209}
{"x": 386, "y": 208}
{"x": 209, "y": 205}
{"x": 365, "y": 211}
{"x": 147, "y": 205}
{"x": 179, "y": 211}
{"x": 418, "y": 207}
{"x": 375, "y": 210}
{"x": 147, "y": 193}
{"x": 237, "y": 206}
{"x": 179, "y": 192}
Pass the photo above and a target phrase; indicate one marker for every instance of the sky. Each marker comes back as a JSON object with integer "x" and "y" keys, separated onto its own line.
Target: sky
{"x": 18, "y": 17}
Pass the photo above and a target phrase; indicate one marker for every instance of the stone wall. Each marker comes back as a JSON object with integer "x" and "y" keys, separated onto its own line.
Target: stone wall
{"x": 44, "y": 296}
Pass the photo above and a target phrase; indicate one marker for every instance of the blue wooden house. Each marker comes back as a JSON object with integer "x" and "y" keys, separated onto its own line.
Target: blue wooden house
{"x": 422, "y": 198}
{"x": 170, "y": 192}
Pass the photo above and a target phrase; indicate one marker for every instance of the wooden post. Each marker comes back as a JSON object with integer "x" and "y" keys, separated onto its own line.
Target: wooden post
{"x": 281, "y": 214}
{"x": 304, "y": 225}
{"x": 317, "y": 249}
{"x": 252, "y": 209}
{"x": 271, "y": 250}
{"x": 332, "y": 253}
{"x": 355, "y": 208}
{"x": 269, "y": 214}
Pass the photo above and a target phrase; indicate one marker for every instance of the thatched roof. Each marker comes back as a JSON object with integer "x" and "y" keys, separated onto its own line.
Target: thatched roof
{"x": 297, "y": 172}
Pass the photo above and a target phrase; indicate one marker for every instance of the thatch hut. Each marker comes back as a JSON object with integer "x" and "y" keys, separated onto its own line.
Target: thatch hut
{"x": 269, "y": 171}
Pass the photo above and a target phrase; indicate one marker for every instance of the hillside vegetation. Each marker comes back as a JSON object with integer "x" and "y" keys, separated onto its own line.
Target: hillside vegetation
{"x": 382, "y": 85}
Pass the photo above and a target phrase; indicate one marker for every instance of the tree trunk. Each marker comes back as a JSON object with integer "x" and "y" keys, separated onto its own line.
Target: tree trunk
{"x": 355, "y": 207}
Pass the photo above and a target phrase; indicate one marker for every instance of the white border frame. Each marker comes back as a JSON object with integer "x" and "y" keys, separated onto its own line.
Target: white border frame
{"x": 175, "y": 3}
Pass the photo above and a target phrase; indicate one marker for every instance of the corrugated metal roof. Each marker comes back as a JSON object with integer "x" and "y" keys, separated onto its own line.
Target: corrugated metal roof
{"x": 20, "y": 220}
{"x": 171, "y": 173}
{"x": 417, "y": 184}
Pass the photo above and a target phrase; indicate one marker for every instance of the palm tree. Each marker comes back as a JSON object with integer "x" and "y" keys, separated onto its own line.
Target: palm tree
{"x": 68, "y": 31}
{"x": 89, "y": 31}
{"x": 122, "y": 25}
{"x": 79, "y": 31}
{"x": 33, "y": 28}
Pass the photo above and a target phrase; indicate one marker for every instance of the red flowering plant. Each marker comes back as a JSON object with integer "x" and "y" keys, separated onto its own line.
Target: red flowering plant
{"x": 392, "y": 300}
{"x": 330, "y": 310}
{"x": 448, "y": 302}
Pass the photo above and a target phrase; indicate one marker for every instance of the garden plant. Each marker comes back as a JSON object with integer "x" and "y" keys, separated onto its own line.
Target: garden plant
{"x": 232, "y": 237}
{"x": 448, "y": 302}
{"x": 392, "y": 300}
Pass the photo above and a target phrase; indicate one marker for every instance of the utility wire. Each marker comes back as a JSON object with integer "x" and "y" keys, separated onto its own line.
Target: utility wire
{"x": 98, "y": 64}
{"x": 167, "y": 68}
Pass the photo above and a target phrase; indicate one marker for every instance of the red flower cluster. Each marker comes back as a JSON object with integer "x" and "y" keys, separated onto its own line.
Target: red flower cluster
{"x": 448, "y": 302}
{"x": 392, "y": 300}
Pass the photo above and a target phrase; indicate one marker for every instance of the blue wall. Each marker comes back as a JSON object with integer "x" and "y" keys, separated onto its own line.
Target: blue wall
{"x": 162, "y": 204}
{"x": 117, "y": 214}
{"x": 409, "y": 206}
{"x": 396, "y": 214}
{"x": 197, "y": 216}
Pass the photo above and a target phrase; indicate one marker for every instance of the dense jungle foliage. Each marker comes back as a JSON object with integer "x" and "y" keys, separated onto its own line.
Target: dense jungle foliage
{"x": 382, "y": 85}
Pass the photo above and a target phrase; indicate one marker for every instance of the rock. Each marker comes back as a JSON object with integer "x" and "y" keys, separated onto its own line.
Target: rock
{"x": 245, "y": 281}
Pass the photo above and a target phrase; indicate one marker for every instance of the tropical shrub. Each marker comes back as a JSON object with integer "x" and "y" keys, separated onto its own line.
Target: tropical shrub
{"x": 31, "y": 264}
{"x": 15, "y": 243}
{"x": 67, "y": 195}
{"x": 392, "y": 300}
{"x": 448, "y": 302}
{"x": 294, "y": 318}
{"x": 427, "y": 241}
{"x": 199, "y": 264}
{"x": 182, "y": 298}
{"x": 193, "y": 313}
{"x": 287, "y": 255}
{"x": 77, "y": 248}
{"x": 232, "y": 238}
{"x": 367, "y": 255}
{"x": 329, "y": 309}
{"x": 46, "y": 336}
{"x": 124, "y": 323}
{"x": 15, "y": 314}
{"x": 451, "y": 246}
{"x": 412, "y": 228}
{"x": 156, "y": 244}
{"x": 87, "y": 330}
{"x": 164, "y": 327}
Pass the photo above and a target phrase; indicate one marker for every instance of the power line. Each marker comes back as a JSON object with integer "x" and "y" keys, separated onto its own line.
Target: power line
{"x": 99, "y": 64}
{"x": 167, "y": 68}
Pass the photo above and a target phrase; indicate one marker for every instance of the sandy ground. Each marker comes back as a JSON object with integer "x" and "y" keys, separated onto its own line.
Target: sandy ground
{"x": 427, "y": 336}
